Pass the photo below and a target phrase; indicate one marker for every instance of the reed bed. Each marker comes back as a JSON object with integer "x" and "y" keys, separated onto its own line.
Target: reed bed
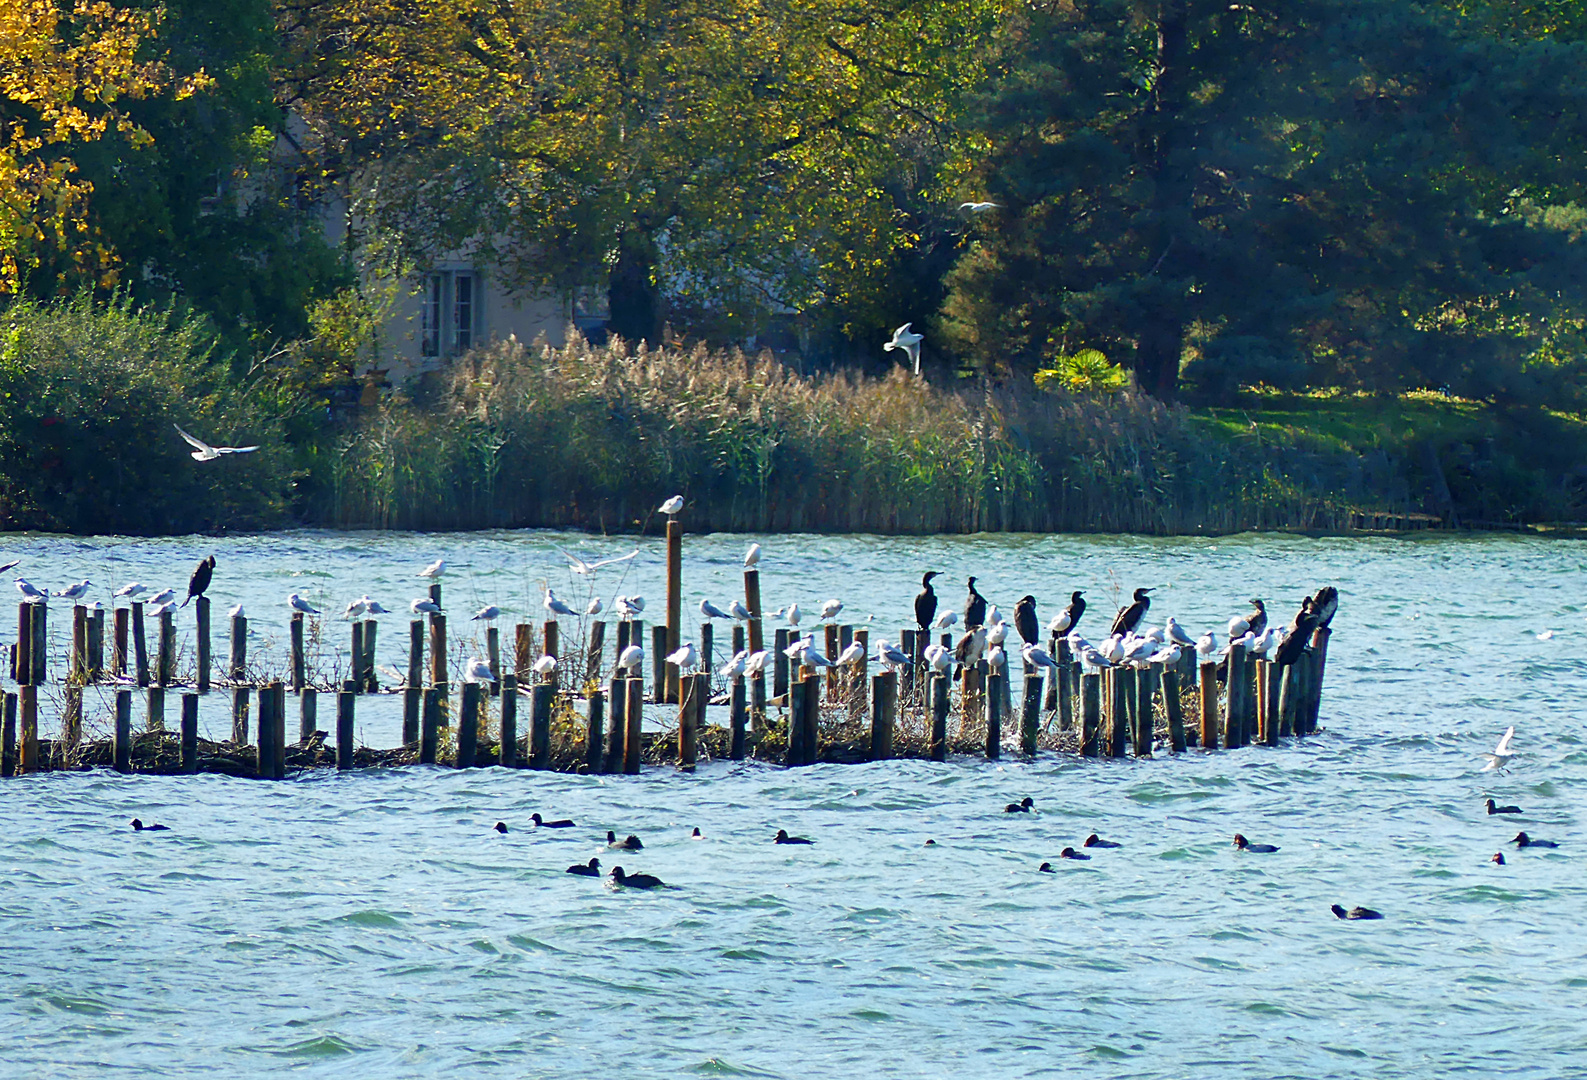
{"x": 595, "y": 437}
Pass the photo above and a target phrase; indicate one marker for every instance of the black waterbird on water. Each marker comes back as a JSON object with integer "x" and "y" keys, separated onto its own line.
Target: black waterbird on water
{"x": 1498, "y": 858}
{"x": 1522, "y": 840}
{"x": 1025, "y": 623}
{"x": 200, "y": 579}
{"x": 628, "y": 843}
{"x": 592, "y": 869}
{"x": 1096, "y": 841}
{"x": 1046, "y": 868}
{"x": 782, "y": 837}
{"x": 1021, "y": 807}
{"x": 1354, "y": 913}
{"x": 1071, "y": 853}
{"x": 926, "y": 601}
{"x": 501, "y": 827}
{"x": 138, "y": 826}
{"x": 1245, "y": 845}
{"x": 635, "y": 881}
{"x": 974, "y": 608}
{"x": 1492, "y": 809}
{"x": 1131, "y": 617}
{"x": 560, "y": 823}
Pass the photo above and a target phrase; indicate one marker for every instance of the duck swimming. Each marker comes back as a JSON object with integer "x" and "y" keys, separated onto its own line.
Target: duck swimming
{"x": 1492, "y": 809}
{"x": 1071, "y": 853}
{"x": 1096, "y": 841}
{"x": 1523, "y": 840}
{"x": 1021, "y": 807}
{"x": 560, "y": 823}
{"x": 635, "y": 881}
{"x": 1245, "y": 845}
{"x": 1354, "y": 913}
{"x": 592, "y": 869}
{"x": 138, "y": 826}
{"x": 628, "y": 843}
{"x": 782, "y": 837}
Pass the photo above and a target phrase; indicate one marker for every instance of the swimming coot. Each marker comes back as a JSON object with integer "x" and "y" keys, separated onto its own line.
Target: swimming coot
{"x": 1071, "y": 853}
{"x": 561, "y": 823}
{"x": 1354, "y": 913}
{"x": 635, "y": 881}
{"x": 1498, "y": 858}
{"x": 1021, "y": 807}
{"x": 627, "y": 843}
{"x": 1096, "y": 841}
{"x": 138, "y": 826}
{"x": 501, "y": 827}
{"x": 592, "y": 869}
{"x": 1046, "y": 868}
{"x": 697, "y": 834}
{"x": 1492, "y": 809}
{"x": 1245, "y": 845}
{"x": 782, "y": 837}
{"x": 1523, "y": 840}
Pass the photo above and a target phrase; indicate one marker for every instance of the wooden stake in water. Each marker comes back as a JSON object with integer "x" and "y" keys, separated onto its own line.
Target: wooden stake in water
{"x": 346, "y": 702}
{"x": 371, "y": 682}
{"x": 1319, "y": 648}
{"x": 28, "y": 748}
{"x": 299, "y": 676}
{"x": 358, "y": 656}
{"x": 1117, "y": 725}
{"x": 39, "y": 654}
{"x": 415, "y": 654}
{"x": 634, "y": 717}
{"x": 1273, "y": 677}
{"x": 121, "y": 745}
{"x": 594, "y": 730}
{"x": 1208, "y": 684}
{"x": 430, "y": 730}
{"x": 412, "y": 696}
{"x": 884, "y": 714}
{"x": 779, "y": 664}
{"x": 617, "y": 730}
{"x": 658, "y": 664}
{"x": 1030, "y": 713}
{"x": 308, "y": 714}
{"x": 468, "y": 727}
{"x": 155, "y": 719}
{"x": 594, "y": 656}
{"x": 493, "y": 658}
{"x": 509, "y": 720}
{"x": 738, "y": 718}
{"x": 201, "y": 618}
{"x": 77, "y": 664}
{"x": 1090, "y": 712}
{"x": 238, "y": 667}
{"x": 994, "y": 713}
{"x": 834, "y": 647}
{"x": 812, "y": 717}
{"x": 939, "y": 717}
{"x": 438, "y": 651}
{"x": 72, "y": 721}
{"x": 1234, "y": 703}
{"x": 707, "y": 646}
{"x": 190, "y": 732}
{"x": 552, "y": 637}
{"x": 523, "y": 637}
{"x": 690, "y": 699}
{"x": 118, "y": 643}
{"x": 757, "y": 636}
{"x": 1168, "y": 678}
{"x": 674, "y": 605}
{"x": 1145, "y": 715}
{"x": 96, "y": 645}
{"x": 239, "y": 716}
{"x": 435, "y": 594}
{"x": 23, "y": 665}
{"x": 796, "y": 723}
{"x": 541, "y": 697}
{"x": 8, "y": 735}
{"x": 166, "y": 666}
{"x": 1059, "y": 685}
{"x": 278, "y": 731}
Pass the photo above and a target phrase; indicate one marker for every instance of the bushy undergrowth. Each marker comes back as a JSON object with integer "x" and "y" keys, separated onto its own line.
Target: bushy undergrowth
{"x": 88, "y": 396}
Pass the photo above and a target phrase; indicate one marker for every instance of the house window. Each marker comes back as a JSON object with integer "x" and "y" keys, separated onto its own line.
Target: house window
{"x": 430, "y": 316}
{"x": 462, "y": 312}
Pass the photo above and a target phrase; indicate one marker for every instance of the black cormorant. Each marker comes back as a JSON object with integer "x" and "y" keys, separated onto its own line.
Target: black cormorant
{"x": 1131, "y": 617}
{"x": 200, "y": 579}
{"x": 1324, "y": 604}
{"x": 974, "y": 608}
{"x": 1299, "y": 636}
{"x": 1071, "y": 614}
{"x": 1025, "y": 623}
{"x": 926, "y": 601}
{"x": 1256, "y": 622}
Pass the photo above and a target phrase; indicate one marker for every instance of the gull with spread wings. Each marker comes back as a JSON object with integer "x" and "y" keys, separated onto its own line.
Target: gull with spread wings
{"x": 579, "y": 566}
{"x": 202, "y": 451}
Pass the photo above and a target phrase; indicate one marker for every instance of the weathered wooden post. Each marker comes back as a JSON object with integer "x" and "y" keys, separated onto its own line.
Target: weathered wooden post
{"x": 122, "y": 741}
{"x": 939, "y": 717}
{"x": 1274, "y": 679}
{"x": 617, "y": 724}
{"x": 1303, "y": 672}
{"x": 8, "y": 734}
{"x": 1234, "y": 704}
{"x": 118, "y": 643}
{"x": 371, "y": 682}
{"x": 154, "y": 719}
{"x": 1168, "y": 679}
{"x": 690, "y": 701}
{"x": 779, "y": 665}
{"x": 634, "y": 717}
{"x": 907, "y": 646}
{"x": 523, "y": 645}
{"x": 1116, "y": 716}
{"x": 1145, "y": 715}
{"x": 796, "y": 723}
{"x": 299, "y": 664}
{"x": 23, "y": 665}
{"x": 77, "y": 663}
{"x": 72, "y": 721}
{"x": 278, "y": 731}
{"x": 739, "y": 640}
{"x": 308, "y": 713}
{"x": 239, "y": 715}
{"x": 674, "y": 639}
{"x": 467, "y": 727}
{"x": 757, "y": 638}
{"x": 28, "y": 748}
{"x": 357, "y": 661}
{"x": 831, "y": 646}
{"x": 438, "y": 677}
{"x": 994, "y": 712}
{"x": 658, "y": 663}
{"x": 96, "y": 644}
{"x": 238, "y": 667}
{"x": 165, "y": 668}
{"x": 859, "y": 681}
{"x": 1060, "y": 684}
{"x": 594, "y": 730}
{"x": 812, "y": 717}
{"x": 1090, "y": 712}
{"x": 509, "y": 720}
{"x": 39, "y": 652}
{"x": 595, "y": 653}
{"x": 1208, "y": 684}
{"x": 1319, "y": 648}
{"x": 1288, "y": 690}
{"x": 415, "y": 654}
{"x": 884, "y": 714}
{"x": 430, "y": 729}
{"x": 190, "y": 732}
{"x": 738, "y": 718}
{"x": 346, "y": 702}
{"x": 707, "y": 647}
{"x": 1030, "y": 712}
{"x": 412, "y": 696}
{"x": 493, "y": 658}
{"x": 541, "y": 697}
{"x": 201, "y": 618}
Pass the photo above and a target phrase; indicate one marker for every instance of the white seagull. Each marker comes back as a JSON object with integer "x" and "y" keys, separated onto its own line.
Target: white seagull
{"x": 202, "y": 451}
{"x": 73, "y": 592}
{"x": 1036, "y": 656}
{"x": 424, "y": 606}
{"x": 938, "y": 657}
{"x": 555, "y": 606}
{"x": 373, "y": 606}
{"x": 27, "y": 589}
{"x": 672, "y": 506}
{"x": 160, "y": 609}
{"x": 356, "y": 608}
{"x": 945, "y": 620}
{"x": 596, "y": 607}
{"x": 755, "y": 662}
{"x": 891, "y": 655}
{"x": 477, "y": 670}
{"x": 165, "y": 596}
{"x": 1060, "y": 623}
{"x": 579, "y": 566}
{"x": 488, "y": 613}
{"x": 1206, "y": 647}
{"x": 980, "y": 207}
{"x": 686, "y": 657}
{"x": 631, "y": 658}
{"x": 294, "y": 601}
{"x": 545, "y": 665}
{"x": 793, "y": 615}
{"x": 434, "y": 570}
{"x": 830, "y": 609}
{"x": 132, "y": 590}
{"x": 1501, "y": 755}
{"x": 734, "y": 667}
{"x": 752, "y": 556}
{"x": 237, "y": 612}
{"x": 738, "y": 611}
{"x": 1176, "y": 633}
{"x": 851, "y": 655}
{"x": 906, "y": 339}
{"x": 995, "y": 658}
{"x": 711, "y": 611}
{"x": 12, "y": 565}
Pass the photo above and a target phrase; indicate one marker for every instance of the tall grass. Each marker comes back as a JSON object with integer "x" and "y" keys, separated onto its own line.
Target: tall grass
{"x": 597, "y": 436}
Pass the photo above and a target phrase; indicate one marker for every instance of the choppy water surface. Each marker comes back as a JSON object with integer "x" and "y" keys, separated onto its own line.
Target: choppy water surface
{"x": 372, "y": 924}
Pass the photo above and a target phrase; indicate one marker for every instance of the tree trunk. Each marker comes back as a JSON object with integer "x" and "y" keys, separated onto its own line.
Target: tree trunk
{"x": 1162, "y": 337}
{"x": 632, "y": 293}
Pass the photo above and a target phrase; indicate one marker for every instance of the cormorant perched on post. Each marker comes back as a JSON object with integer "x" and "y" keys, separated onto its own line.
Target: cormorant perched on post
{"x": 1025, "y": 623}
{"x": 970, "y": 647}
{"x": 1071, "y": 614}
{"x": 200, "y": 579}
{"x": 926, "y": 602}
{"x": 1324, "y": 604}
{"x": 1131, "y": 616}
{"x": 974, "y": 608}
{"x": 1299, "y": 636}
{"x": 1256, "y": 622}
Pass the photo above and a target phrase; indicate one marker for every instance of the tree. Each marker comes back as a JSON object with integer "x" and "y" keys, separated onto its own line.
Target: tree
{"x": 1323, "y": 190}
{"x": 730, "y": 150}
{"x": 69, "y": 72}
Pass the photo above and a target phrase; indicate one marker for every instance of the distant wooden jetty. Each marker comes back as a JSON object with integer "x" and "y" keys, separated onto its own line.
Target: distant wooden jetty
{"x": 586, "y": 715}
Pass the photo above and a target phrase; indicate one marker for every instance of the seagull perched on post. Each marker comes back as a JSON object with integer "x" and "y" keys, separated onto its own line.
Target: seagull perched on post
{"x": 752, "y": 556}
{"x": 488, "y": 613}
{"x": 555, "y": 606}
{"x": 830, "y": 609}
{"x": 945, "y": 620}
{"x": 596, "y": 607}
{"x": 477, "y": 670}
{"x": 132, "y": 590}
{"x": 424, "y": 606}
{"x": 711, "y": 611}
{"x": 373, "y": 607}
{"x": 434, "y": 570}
{"x": 686, "y": 657}
{"x": 631, "y": 658}
{"x": 891, "y": 656}
{"x": 165, "y": 596}
{"x": 672, "y": 506}
{"x": 294, "y": 601}
{"x": 906, "y": 339}
{"x": 202, "y": 451}
{"x": 74, "y": 592}
{"x": 544, "y": 666}
{"x": 356, "y": 608}
{"x": 738, "y": 611}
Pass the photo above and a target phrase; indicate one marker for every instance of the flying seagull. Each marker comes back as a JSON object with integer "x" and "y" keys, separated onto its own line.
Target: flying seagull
{"x": 579, "y": 566}
{"x": 980, "y": 207}
{"x": 906, "y": 339}
{"x": 202, "y": 451}
{"x": 1501, "y": 755}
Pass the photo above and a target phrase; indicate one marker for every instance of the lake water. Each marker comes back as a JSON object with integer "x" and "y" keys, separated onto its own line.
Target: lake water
{"x": 373, "y": 924}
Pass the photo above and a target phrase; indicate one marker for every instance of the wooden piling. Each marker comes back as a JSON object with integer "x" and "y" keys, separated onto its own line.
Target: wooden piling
{"x": 523, "y": 653}
{"x": 1168, "y": 679}
{"x": 1303, "y": 679}
{"x": 884, "y": 713}
{"x": 237, "y": 669}
{"x": 239, "y": 715}
{"x": 674, "y": 638}
{"x": 96, "y": 645}
{"x": 308, "y": 713}
{"x": 39, "y": 652}
{"x": 757, "y": 702}
{"x": 1288, "y": 689}
{"x": 1061, "y": 681}
{"x": 438, "y": 677}
{"x": 299, "y": 663}
{"x": 1208, "y": 685}
{"x": 430, "y": 725}
{"x": 190, "y": 732}
{"x": 23, "y": 663}
{"x": 812, "y": 717}
{"x": 493, "y": 658}
{"x": 658, "y": 663}
{"x": 1273, "y": 677}
{"x": 707, "y": 646}
{"x": 28, "y": 746}
{"x": 371, "y": 683}
{"x": 77, "y": 663}
{"x": 595, "y": 655}
{"x": 1146, "y": 714}
{"x": 121, "y": 743}
{"x": 278, "y": 731}
{"x": 1030, "y": 712}
{"x": 541, "y": 697}
{"x": 594, "y": 730}
{"x": 939, "y": 717}
{"x": 739, "y": 641}
{"x": 1090, "y": 713}
{"x": 507, "y": 721}
{"x": 1234, "y": 681}
{"x": 118, "y": 643}
{"x": 154, "y": 719}
{"x": 415, "y": 654}
{"x": 757, "y": 638}
{"x": 8, "y": 734}
{"x": 994, "y": 714}
{"x": 832, "y": 646}
{"x": 690, "y": 700}
{"x": 1319, "y": 665}
{"x": 411, "y": 698}
{"x": 617, "y": 725}
{"x": 634, "y": 717}
{"x": 201, "y": 624}
{"x": 467, "y": 727}
{"x": 738, "y": 718}
{"x": 346, "y": 702}
{"x": 357, "y": 654}
{"x": 165, "y": 658}
{"x": 779, "y": 664}
{"x": 1117, "y": 725}
{"x": 1125, "y": 686}
{"x": 72, "y": 721}
{"x": 796, "y": 723}
{"x": 906, "y": 645}
{"x": 551, "y": 637}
